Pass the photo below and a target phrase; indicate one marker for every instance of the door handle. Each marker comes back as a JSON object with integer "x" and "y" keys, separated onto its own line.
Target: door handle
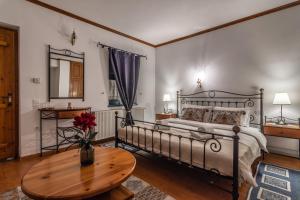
{"x": 8, "y": 97}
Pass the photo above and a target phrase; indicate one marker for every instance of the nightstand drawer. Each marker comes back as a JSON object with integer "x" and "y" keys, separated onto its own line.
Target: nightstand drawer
{"x": 282, "y": 132}
{"x": 161, "y": 116}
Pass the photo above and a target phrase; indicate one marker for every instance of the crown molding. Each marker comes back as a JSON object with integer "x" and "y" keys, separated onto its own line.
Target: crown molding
{"x": 244, "y": 19}
{"x": 266, "y": 12}
{"x": 74, "y": 16}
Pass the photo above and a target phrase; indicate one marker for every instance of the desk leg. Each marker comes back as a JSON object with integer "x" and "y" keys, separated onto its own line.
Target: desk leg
{"x": 56, "y": 135}
{"x": 41, "y": 135}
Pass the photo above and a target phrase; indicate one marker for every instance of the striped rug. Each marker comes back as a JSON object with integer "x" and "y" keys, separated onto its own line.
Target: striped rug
{"x": 275, "y": 183}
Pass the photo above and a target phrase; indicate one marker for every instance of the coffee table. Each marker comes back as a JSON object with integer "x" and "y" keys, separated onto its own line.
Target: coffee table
{"x": 61, "y": 176}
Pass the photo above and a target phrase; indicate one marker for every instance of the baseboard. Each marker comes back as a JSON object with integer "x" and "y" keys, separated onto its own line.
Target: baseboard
{"x": 52, "y": 152}
{"x": 283, "y": 151}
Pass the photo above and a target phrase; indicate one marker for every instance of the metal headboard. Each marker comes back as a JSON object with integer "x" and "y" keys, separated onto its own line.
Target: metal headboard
{"x": 226, "y": 99}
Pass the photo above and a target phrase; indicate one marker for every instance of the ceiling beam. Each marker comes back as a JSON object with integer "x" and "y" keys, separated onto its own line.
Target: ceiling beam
{"x": 273, "y": 10}
{"x": 69, "y": 14}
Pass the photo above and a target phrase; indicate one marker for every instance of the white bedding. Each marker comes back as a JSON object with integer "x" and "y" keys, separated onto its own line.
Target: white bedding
{"x": 251, "y": 142}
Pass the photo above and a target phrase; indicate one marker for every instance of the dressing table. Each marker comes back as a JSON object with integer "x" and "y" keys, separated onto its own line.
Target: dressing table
{"x": 58, "y": 114}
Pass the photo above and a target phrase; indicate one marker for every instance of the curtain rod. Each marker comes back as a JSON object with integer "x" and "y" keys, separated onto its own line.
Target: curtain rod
{"x": 104, "y": 45}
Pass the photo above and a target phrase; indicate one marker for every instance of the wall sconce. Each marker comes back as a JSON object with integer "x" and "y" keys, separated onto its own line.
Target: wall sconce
{"x": 199, "y": 85}
{"x": 73, "y": 37}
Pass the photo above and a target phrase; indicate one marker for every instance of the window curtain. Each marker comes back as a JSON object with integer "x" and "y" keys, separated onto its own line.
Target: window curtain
{"x": 124, "y": 68}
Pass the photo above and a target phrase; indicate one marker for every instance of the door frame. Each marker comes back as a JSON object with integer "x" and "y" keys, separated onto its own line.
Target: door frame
{"x": 17, "y": 91}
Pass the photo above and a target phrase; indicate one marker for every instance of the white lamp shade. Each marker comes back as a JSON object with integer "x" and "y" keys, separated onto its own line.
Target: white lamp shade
{"x": 282, "y": 99}
{"x": 167, "y": 97}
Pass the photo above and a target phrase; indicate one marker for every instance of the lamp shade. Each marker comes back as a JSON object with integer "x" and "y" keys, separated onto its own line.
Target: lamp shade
{"x": 167, "y": 97}
{"x": 282, "y": 99}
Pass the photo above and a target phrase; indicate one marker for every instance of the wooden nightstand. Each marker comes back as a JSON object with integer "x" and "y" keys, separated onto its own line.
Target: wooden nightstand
{"x": 160, "y": 116}
{"x": 286, "y": 131}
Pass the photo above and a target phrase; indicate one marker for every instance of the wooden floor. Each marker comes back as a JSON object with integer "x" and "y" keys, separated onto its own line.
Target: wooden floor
{"x": 181, "y": 183}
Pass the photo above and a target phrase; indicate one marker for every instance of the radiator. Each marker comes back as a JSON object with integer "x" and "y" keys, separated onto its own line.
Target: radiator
{"x": 105, "y": 120}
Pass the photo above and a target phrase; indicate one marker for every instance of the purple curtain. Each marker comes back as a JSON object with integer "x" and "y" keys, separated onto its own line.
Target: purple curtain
{"x": 125, "y": 68}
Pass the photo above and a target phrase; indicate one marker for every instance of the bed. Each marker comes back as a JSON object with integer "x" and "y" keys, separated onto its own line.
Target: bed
{"x": 216, "y": 131}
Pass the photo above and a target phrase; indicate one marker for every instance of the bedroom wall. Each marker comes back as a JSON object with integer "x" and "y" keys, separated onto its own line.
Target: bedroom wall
{"x": 39, "y": 27}
{"x": 260, "y": 53}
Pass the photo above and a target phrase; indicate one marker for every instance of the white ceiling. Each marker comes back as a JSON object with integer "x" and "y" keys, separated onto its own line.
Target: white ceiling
{"x": 157, "y": 21}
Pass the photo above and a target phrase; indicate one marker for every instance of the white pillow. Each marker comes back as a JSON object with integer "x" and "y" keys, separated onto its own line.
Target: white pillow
{"x": 245, "y": 119}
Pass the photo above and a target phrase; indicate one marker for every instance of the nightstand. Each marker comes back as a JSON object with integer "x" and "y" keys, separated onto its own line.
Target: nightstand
{"x": 160, "y": 116}
{"x": 285, "y": 131}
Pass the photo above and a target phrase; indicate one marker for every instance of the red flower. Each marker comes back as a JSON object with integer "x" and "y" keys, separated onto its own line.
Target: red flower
{"x": 85, "y": 121}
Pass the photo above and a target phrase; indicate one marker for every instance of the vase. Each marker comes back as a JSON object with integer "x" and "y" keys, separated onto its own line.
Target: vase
{"x": 87, "y": 155}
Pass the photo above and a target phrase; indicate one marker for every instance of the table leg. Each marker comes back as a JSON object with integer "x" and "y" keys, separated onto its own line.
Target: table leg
{"x": 299, "y": 149}
{"x": 41, "y": 135}
{"x": 56, "y": 135}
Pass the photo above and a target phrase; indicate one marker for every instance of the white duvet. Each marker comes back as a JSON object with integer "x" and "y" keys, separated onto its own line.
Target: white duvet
{"x": 250, "y": 144}
{"x": 247, "y": 136}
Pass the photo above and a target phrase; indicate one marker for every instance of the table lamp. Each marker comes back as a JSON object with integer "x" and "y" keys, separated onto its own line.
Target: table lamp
{"x": 281, "y": 99}
{"x": 166, "y": 99}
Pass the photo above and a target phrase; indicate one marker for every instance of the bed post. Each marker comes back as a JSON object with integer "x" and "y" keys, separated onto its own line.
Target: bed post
{"x": 261, "y": 94}
{"x": 116, "y": 130}
{"x": 235, "y": 173}
{"x": 177, "y": 102}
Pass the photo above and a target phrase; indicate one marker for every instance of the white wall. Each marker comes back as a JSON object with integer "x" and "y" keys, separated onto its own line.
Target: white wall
{"x": 260, "y": 53}
{"x": 39, "y": 27}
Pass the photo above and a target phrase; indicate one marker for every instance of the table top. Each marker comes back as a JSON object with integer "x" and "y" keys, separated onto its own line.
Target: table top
{"x": 54, "y": 109}
{"x": 62, "y": 177}
{"x": 291, "y": 126}
{"x": 166, "y": 113}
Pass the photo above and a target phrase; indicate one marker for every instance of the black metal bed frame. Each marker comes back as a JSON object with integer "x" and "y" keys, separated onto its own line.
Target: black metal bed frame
{"x": 212, "y": 98}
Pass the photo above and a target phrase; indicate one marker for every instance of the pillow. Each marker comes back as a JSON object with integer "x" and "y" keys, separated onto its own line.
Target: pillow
{"x": 227, "y": 117}
{"x": 196, "y": 112}
{"x": 245, "y": 117}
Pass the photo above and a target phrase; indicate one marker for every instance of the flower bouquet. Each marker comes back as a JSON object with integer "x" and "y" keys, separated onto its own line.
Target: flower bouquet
{"x": 86, "y": 123}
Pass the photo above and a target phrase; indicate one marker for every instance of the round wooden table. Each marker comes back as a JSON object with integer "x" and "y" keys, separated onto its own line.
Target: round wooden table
{"x": 61, "y": 176}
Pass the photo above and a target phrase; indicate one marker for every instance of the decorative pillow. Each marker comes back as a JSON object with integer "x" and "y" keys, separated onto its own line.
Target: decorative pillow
{"x": 227, "y": 117}
{"x": 195, "y": 114}
{"x": 196, "y": 108}
{"x": 245, "y": 117}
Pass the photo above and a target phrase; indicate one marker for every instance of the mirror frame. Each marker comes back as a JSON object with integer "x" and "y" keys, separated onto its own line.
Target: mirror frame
{"x": 66, "y": 53}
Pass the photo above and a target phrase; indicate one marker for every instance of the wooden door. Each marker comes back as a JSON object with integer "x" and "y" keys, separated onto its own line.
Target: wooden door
{"x": 76, "y": 79}
{"x": 8, "y": 94}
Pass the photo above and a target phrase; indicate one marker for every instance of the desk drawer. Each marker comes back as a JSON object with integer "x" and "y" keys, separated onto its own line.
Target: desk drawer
{"x": 282, "y": 132}
{"x": 70, "y": 114}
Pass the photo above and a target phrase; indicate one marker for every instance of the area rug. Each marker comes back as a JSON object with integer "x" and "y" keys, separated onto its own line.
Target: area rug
{"x": 141, "y": 189}
{"x": 275, "y": 183}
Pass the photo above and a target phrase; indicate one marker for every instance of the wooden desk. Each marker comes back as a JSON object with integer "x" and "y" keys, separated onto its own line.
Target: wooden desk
{"x": 57, "y": 114}
{"x": 285, "y": 131}
{"x": 61, "y": 176}
{"x": 160, "y": 116}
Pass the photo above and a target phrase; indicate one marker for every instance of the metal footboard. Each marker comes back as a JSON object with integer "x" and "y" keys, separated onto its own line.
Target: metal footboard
{"x": 211, "y": 142}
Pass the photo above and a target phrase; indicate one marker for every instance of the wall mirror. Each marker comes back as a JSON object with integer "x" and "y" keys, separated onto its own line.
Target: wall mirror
{"x": 66, "y": 74}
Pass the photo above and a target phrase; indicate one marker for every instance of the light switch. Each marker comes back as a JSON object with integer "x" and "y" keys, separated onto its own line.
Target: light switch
{"x": 36, "y": 80}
